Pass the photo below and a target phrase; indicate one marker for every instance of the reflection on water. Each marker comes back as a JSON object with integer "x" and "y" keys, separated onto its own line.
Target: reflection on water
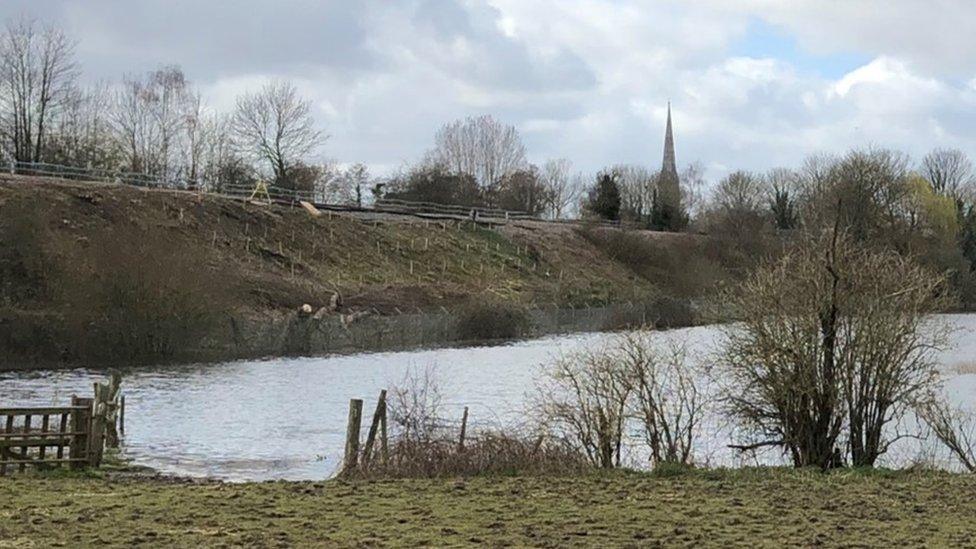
{"x": 285, "y": 418}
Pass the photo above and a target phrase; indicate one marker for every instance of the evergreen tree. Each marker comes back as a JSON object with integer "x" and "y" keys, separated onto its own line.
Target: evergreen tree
{"x": 783, "y": 208}
{"x": 665, "y": 216}
{"x": 604, "y": 199}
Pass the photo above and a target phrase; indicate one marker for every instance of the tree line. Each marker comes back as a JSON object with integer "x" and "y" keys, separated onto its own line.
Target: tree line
{"x": 158, "y": 124}
{"x": 155, "y": 124}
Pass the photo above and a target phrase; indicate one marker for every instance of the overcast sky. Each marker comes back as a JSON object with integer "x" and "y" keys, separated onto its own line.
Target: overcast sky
{"x": 756, "y": 85}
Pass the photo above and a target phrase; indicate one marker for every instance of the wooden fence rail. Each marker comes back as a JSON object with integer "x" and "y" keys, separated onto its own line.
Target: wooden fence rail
{"x": 45, "y": 437}
{"x": 52, "y": 436}
{"x": 292, "y": 197}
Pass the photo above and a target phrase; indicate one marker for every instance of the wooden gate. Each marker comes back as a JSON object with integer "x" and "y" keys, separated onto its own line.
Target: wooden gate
{"x": 46, "y": 437}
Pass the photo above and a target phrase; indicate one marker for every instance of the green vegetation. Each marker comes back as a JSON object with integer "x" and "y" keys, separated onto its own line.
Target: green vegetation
{"x": 720, "y": 508}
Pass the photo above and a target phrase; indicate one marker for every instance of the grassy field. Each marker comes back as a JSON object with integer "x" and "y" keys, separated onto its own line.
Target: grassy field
{"x": 754, "y": 508}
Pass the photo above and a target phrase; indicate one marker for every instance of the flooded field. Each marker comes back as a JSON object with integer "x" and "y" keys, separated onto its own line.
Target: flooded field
{"x": 285, "y": 418}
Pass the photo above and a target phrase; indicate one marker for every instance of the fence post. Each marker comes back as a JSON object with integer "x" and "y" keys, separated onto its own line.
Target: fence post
{"x": 464, "y": 428}
{"x": 9, "y": 428}
{"x": 373, "y": 427}
{"x": 111, "y": 399}
{"x": 122, "y": 415}
{"x": 81, "y": 421}
{"x": 384, "y": 452}
{"x": 96, "y": 438}
{"x": 352, "y": 434}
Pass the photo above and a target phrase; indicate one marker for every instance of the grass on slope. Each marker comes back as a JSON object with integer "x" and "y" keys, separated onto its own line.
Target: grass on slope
{"x": 755, "y": 508}
{"x": 278, "y": 258}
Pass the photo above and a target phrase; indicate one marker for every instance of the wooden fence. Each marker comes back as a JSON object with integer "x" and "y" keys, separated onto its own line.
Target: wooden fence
{"x": 292, "y": 197}
{"x": 356, "y": 458}
{"x": 74, "y": 436}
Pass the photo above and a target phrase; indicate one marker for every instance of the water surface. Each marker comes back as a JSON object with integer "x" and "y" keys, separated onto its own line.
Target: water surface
{"x": 285, "y": 418}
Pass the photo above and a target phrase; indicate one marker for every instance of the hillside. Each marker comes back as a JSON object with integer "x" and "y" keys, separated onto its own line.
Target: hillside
{"x": 65, "y": 243}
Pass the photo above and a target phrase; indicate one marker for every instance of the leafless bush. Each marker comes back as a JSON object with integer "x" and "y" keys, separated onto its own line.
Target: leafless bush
{"x": 415, "y": 404}
{"x": 667, "y": 400}
{"x": 592, "y": 396}
{"x": 953, "y": 427}
{"x": 424, "y": 444}
{"x": 832, "y": 340}
{"x": 584, "y": 397}
{"x": 489, "y": 452}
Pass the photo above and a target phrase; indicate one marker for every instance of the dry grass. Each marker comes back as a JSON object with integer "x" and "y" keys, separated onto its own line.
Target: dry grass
{"x": 272, "y": 260}
{"x": 489, "y": 453}
{"x": 746, "y": 508}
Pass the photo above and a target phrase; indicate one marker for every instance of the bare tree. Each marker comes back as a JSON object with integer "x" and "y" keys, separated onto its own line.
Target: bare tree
{"x": 195, "y": 136}
{"x": 668, "y": 402}
{"x": 82, "y": 134}
{"x": 740, "y": 192}
{"x": 220, "y": 165}
{"x": 415, "y": 404}
{"x": 637, "y": 185}
{"x": 954, "y": 428}
{"x": 950, "y": 172}
{"x": 357, "y": 180}
{"x": 481, "y": 147}
{"x": 584, "y": 396}
{"x": 37, "y": 74}
{"x": 832, "y": 338}
{"x": 562, "y": 188}
{"x": 151, "y": 118}
{"x": 275, "y": 126}
{"x": 693, "y": 183}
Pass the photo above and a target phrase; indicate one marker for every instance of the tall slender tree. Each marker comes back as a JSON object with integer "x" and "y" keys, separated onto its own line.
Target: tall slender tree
{"x": 37, "y": 75}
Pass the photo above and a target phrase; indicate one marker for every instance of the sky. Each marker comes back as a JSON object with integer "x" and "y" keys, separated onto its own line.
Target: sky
{"x": 754, "y": 84}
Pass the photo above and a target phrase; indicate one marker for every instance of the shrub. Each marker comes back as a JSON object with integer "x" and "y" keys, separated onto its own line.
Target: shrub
{"x": 667, "y": 401}
{"x": 584, "y": 397}
{"x": 489, "y": 452}
{"x": 139, "y": 297}
{"x": 26, "y": 267}
{"x": 491, "y": 320}
{"x": 833, "y": 340}
{"x": 424, "y": 444}
{"x": 593, "y": 396}
{"x": 683, "y": 268}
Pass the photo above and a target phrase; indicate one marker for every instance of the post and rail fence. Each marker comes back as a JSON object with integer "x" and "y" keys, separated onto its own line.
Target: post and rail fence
{"x": 285, "y": 196}
{"x": 75, "y": 436}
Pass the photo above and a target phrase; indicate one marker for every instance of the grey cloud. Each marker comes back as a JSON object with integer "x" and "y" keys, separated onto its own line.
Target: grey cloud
{"x": 210, "y": 38}
{"x": 590, "y": 75}
{"x": 496, "y": 60}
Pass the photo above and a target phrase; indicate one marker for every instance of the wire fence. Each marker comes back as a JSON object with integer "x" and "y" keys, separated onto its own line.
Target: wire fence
{"x": 283, "y": 195}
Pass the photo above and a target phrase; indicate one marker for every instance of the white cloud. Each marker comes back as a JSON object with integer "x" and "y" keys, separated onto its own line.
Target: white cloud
{"x": 583, "y": 79}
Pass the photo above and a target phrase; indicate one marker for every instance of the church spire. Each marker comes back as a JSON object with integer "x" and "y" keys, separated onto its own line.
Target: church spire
{"x": 666, "y": 209}
{"x": 669, "y": 168}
